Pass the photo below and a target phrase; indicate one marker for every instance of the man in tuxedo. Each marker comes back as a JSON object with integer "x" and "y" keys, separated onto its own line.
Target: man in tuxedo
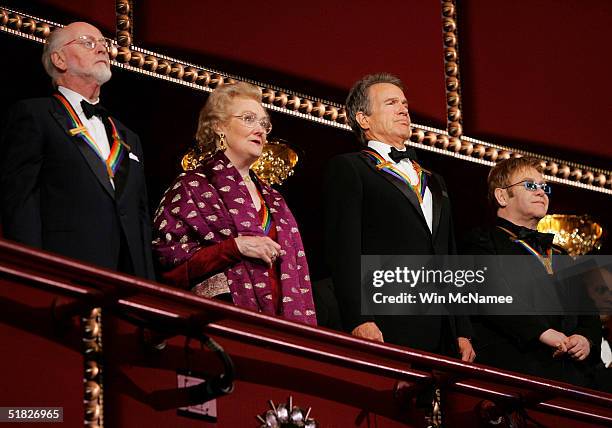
{"x": 553, "y": 345}
{"x": 71, "y": 175}
{"x": 399, "y": 210}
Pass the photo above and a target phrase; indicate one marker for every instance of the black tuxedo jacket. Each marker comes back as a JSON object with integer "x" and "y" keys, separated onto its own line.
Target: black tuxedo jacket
{"x": 56, "y": 194}
{"x": 370, "y": 212}
{"x": 512, "y": 342}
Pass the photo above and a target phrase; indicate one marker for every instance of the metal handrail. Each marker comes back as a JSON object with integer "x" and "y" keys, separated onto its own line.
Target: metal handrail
{"x": 44, "y": 270}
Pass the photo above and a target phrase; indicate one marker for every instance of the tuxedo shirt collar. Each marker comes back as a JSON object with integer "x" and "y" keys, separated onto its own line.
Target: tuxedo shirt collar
{"x": 382, "y": 149}
{"x": 74, "y": 98}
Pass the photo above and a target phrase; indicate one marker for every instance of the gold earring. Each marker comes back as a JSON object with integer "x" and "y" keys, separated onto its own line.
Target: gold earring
{"x": 222, "y": 145}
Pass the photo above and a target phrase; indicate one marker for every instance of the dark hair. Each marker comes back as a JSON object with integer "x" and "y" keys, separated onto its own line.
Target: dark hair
{"x": 500, "y": 174}
{"x": 358, "y": 99}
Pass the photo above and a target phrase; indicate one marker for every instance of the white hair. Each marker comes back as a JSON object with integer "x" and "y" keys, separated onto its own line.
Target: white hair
{"x": 53, "y": 43}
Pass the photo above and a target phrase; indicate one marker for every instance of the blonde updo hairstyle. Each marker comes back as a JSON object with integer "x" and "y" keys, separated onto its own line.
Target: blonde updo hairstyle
{"x": 216, "y": 111}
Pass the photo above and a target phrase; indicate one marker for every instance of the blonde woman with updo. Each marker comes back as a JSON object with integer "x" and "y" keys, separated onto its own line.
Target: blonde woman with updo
{"x": 223, "y": 233}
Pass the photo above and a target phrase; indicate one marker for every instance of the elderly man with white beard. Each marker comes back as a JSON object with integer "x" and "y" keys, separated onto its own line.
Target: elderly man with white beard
{"x": 71, "y": 175}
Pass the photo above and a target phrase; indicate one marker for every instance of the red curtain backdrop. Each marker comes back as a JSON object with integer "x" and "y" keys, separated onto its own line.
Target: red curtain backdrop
{"x": 534, "y": 72}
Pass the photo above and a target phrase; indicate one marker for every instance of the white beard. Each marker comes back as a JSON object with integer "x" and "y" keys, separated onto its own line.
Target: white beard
{"x": 102, "y": 75}
{"x": 100, "y": 72}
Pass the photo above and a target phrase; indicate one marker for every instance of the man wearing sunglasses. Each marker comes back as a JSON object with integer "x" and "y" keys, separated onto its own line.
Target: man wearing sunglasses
{"x": 71, "y": 175}
{"x": 555, "y": 346}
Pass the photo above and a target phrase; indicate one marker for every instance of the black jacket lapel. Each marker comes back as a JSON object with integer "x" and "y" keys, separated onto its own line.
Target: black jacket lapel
{"x": 437, "y": 197}
{"x": 97, "y": 165}
{"x": 123, "y": 171}
{"x": 402, "y": 187}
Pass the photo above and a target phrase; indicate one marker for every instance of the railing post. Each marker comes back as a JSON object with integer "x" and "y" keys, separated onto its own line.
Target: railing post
{"x": 434, "y": 418}
{"x": 91, "y": 324}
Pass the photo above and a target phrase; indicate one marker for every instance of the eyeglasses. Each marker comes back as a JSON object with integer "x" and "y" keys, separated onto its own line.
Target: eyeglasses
{"x": 251, "y": 120}
{"x": 90, "y": 42}
{"x": 532, "y": 186}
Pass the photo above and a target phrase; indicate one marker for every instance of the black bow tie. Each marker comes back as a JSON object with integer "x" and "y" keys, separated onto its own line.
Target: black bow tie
{"x": 94, "y": 110}
{"x": 543, "y": 240}
{"x": 398, "y": 155}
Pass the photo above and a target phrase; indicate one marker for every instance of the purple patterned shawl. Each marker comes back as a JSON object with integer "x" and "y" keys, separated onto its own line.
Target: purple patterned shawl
{"x": 211, "y": 203}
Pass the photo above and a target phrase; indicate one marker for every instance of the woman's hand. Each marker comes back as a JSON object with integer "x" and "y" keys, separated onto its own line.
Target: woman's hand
{"x": 258, "y": 247}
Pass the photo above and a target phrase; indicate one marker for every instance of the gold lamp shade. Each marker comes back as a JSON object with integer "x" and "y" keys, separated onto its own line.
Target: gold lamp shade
{"x": 190, "y": 160}
{"x": 577, "y": 234}
{"x": 275, "y": 164}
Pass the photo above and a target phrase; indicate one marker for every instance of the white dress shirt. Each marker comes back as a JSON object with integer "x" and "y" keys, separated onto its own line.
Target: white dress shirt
{"x": 94, "y": 125}
{"x": 606, "y": 353}
{"x": 405, "y": 165}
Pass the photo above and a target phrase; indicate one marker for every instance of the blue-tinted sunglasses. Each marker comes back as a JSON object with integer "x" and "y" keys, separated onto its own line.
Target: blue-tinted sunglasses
{"x": 532, "y": 186}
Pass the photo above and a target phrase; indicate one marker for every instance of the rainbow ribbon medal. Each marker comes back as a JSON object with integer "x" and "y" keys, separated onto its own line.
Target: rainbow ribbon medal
{"x": 546, "y": 259}
{"x": 266, "y": 220}
{"x": 118, "y": 149}
{"x": 388, "y": 167}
